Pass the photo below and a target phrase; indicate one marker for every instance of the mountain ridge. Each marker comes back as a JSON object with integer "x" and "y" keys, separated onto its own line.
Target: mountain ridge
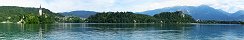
{"x": 80, "y": 13}
{"x": 202, "y": 12}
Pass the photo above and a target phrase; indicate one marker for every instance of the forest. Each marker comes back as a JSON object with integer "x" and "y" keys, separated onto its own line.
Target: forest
{"x": 130, "y": 17}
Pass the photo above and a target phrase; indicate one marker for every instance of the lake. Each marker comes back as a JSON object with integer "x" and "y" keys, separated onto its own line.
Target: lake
{"x": 93, "y": 31}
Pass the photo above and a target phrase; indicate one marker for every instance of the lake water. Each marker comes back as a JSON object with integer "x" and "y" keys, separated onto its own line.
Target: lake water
{"x": 69, "y": 31}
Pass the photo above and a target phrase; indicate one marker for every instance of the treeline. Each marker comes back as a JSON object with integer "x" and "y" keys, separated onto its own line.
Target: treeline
{"x": 130, "y": 17}
{"x": 29, "y": 15}
{"x": 15, "y": 14}
{"x": 120, "y": 17}
{"x": 72, "y": 19}
{"x": 219, "y": 22}
{"x": 174, "y": 17}
{"x": 36, "y": 19}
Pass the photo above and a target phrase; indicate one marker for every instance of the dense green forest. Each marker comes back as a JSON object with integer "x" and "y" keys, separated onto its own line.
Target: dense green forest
{"x": 174, "y": 17}
{"x": 31, "y": 16}
{"x": 73, "y": 19}
{"x": 130, "y": 17}
{"x": 120, "y": 17}
{"x": 34, "y": 19}
{"x": 15, "y": 14}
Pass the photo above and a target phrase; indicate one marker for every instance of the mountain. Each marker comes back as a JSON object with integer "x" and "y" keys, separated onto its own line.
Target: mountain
{"x": 238, "y": 13}
{"x": 82, "y": 14}
{"x": 14, "y": 13}
{"x": 202, "y": 12}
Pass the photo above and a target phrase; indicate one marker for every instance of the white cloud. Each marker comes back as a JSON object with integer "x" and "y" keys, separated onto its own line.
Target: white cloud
{"x": 122, "y": 5}
{"x": 228, "y": 5}
{"x": 67, "y": 5}
{"x": 23, "y": 3}
{"x": 166, "y": 3}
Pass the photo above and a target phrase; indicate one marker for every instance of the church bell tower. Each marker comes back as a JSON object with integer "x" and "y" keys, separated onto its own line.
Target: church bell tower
{"x": 40, "y": 11}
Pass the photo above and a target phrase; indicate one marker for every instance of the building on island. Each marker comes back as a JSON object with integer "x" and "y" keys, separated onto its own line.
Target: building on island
{"x": 7, "y": 20}
{"x": 40, "y": 11}
{"x": 22, "y": 19}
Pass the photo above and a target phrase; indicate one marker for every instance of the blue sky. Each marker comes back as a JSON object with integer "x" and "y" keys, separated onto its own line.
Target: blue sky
{"x": 123, "y": 5}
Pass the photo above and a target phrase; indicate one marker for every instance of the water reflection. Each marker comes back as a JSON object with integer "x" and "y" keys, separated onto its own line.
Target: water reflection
{"x": 121, "y": 31}
{"x": 21, "y": 31}
{"x": 216, "y": 31}
{"x": 70, "y": 31}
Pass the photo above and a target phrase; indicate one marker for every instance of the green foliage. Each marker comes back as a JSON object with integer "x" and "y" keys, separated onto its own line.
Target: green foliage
{"x": 35, "y": 19}
{"x": 120, "y": 17}
{"x": 31, "y": 19}
{"x": 31, "y": 14}
{"x": 242, "y": 22}
{"x": 47, "y": 19}
{"x": 73, "y": 20}
{"x": 174, "y": 17}
{"x": 130, "y": 17}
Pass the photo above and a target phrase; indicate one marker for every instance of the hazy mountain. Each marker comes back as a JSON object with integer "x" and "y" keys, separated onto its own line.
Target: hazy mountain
{"x": 202, "y": 12}
{"x": 82, "y": 14}
{"x": 238, "y": 13}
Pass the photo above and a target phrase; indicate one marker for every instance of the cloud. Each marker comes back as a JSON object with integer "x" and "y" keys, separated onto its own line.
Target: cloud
{"x": 228, "y": 5}
{"x": 67, "y": 5}
{"x": 123, "y": 5}
{"x": 165, "y": 3}
{"x": 23, "y": 3}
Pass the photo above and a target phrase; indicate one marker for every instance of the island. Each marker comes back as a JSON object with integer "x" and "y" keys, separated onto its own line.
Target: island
{"x": 130, "y": 17}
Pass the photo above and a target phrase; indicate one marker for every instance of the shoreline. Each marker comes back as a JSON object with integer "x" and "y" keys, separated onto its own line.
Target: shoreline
{"x": 137, "y": 23}
{"x": 130, "y": 23}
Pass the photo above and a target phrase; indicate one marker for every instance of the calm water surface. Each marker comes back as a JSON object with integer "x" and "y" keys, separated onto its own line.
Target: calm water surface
{"x": 68, "y": 31}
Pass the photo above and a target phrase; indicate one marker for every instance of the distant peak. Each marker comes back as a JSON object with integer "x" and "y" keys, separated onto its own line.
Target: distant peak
{"x": 240, "y": 11}
{"x": 203, "y": 6}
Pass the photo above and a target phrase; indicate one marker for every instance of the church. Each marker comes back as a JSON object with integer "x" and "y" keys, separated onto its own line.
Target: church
{"x": 22, "y": 19}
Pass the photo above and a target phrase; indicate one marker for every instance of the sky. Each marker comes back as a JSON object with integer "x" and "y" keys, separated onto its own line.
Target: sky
{"x": 230, "y": 6}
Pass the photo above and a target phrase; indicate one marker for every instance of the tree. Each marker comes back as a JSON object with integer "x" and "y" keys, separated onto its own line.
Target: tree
{"x": 120, "y": 17}
{"x": 31, "y": 19}
{"x": 16, "y": 13}
{"x": 174, "y": 17}
{"x": 73, "y": 20}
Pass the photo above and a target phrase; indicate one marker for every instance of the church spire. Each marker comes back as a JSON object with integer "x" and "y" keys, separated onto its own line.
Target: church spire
{"x": 40, "y": 11}
{"x": 40, "y": 6}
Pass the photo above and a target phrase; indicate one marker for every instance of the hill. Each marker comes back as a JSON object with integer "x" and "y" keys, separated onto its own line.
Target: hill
{"x": 238, "y": 13}
{"x": 82, "y": 14}
{"x": 174, "y": 17}
{"x": 14, "y": 13}
{"x": 120, "y": 17}
{"x": 202, "y": 12}
{"x": 130, "y": 17}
